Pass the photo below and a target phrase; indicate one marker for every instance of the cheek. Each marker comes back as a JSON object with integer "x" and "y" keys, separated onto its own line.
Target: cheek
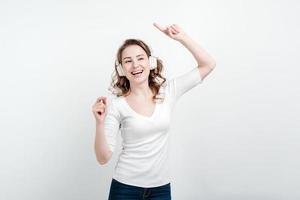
{"x": 146, "y": 63}
{"x": 126, "y": 66}
{"x": 147, "y": 72}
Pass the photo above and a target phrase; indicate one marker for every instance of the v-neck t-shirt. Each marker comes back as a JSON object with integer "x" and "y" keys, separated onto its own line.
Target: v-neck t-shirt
{"x": 144, "y": 157}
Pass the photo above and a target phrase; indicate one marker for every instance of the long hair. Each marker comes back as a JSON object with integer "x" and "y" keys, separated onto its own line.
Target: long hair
{"x": 120, "y": 85}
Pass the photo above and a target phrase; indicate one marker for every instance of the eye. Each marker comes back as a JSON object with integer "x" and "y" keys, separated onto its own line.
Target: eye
{"x": 141, "y": 58}
{"x": 126, "y": 61}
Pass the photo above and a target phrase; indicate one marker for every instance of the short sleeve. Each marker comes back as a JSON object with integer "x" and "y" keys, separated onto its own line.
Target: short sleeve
{"x": 183, "y": 83}
{"x": 111, "y": 124}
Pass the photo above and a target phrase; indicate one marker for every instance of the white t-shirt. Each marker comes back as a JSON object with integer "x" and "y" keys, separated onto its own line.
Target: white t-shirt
{"x": 144, "y": 159}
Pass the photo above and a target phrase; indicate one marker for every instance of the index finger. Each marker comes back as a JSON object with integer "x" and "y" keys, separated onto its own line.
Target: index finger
{"x": 159, "y": 27}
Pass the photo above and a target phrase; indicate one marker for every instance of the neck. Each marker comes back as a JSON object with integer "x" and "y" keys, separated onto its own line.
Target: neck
{"x": 142, "y": 90}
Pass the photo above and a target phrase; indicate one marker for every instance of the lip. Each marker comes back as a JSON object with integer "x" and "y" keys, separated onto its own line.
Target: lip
{"x": 137, "y": 71}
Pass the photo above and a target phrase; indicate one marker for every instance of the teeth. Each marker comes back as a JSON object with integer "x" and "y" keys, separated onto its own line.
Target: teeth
{"x": 136, "y": 72}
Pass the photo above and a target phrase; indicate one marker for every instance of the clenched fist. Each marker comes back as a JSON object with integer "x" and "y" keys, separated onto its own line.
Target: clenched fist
{"x": 99, "y": 109}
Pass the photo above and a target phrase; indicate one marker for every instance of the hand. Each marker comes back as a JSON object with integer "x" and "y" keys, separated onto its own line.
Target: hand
{"x": 99, "y": 109}
{"x": 173, "y": 31}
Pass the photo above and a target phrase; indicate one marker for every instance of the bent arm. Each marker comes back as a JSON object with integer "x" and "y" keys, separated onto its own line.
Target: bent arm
{"x": 206, "y": 63}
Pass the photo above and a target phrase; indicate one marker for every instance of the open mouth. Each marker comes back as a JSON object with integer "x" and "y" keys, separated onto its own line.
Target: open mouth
{"x": 137, "y": 73}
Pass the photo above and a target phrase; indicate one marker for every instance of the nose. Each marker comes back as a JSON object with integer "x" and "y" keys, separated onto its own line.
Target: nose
{"x": 135, "y": 63}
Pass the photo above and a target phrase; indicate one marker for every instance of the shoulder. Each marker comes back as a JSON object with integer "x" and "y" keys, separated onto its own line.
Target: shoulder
{"x": 165, "y": 89}
{"x": 115, "y": 99}
{"x": 169, "y": 86}
{"x": 114, "y": 102}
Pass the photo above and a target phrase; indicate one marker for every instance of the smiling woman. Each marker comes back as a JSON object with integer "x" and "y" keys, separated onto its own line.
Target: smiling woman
{"x": 136, "y": 65}
{"x": 142, "y": 171}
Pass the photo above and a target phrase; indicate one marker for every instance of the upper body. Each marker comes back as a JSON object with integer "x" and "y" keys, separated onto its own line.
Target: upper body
{"x": 142, "y": 120}
{"x": 143, "y": 160}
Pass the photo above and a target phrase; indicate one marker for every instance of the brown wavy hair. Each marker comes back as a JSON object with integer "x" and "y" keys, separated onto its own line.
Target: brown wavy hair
{"x": 120, "y": 85}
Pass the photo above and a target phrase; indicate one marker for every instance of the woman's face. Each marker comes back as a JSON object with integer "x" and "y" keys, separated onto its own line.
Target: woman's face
{"x": 135, "y": 63}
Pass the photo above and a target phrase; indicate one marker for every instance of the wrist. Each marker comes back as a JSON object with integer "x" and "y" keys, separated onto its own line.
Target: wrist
{"x": 184, "y": 39}
{"x": 99, "y": 123}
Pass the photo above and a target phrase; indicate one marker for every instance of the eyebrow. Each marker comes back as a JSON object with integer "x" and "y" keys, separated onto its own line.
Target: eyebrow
{"x": 136, "y": 56}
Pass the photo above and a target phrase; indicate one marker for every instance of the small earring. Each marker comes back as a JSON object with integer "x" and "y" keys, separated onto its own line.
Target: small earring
{"x": 152, "y": 62}
{"x": 120, "y": 69}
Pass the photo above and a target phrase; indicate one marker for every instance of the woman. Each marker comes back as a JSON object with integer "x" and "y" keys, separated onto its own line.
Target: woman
{"x": 142, "y": 112}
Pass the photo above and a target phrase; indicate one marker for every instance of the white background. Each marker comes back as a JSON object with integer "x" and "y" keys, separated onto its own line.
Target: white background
{"x": 235, "y": 136}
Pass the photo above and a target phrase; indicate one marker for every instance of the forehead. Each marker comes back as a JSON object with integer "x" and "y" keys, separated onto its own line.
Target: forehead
{"x": 132, "y": 51}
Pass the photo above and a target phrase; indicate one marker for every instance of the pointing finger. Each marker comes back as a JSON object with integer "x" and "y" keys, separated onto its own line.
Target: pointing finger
{"x": 159, "y": 27}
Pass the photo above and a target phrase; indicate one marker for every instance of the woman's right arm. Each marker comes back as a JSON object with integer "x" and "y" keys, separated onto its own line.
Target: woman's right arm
{"x": 102, "y": 150}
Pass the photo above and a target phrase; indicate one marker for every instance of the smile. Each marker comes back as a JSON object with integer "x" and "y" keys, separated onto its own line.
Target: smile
{"x": 137, "y": 72}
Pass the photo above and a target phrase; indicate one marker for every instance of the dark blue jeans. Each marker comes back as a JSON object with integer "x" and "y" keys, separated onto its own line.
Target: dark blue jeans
{"x": 121, "y": 191}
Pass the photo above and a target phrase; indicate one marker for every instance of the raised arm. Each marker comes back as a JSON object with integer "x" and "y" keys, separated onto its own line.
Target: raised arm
{"x": 205, "y": 62}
